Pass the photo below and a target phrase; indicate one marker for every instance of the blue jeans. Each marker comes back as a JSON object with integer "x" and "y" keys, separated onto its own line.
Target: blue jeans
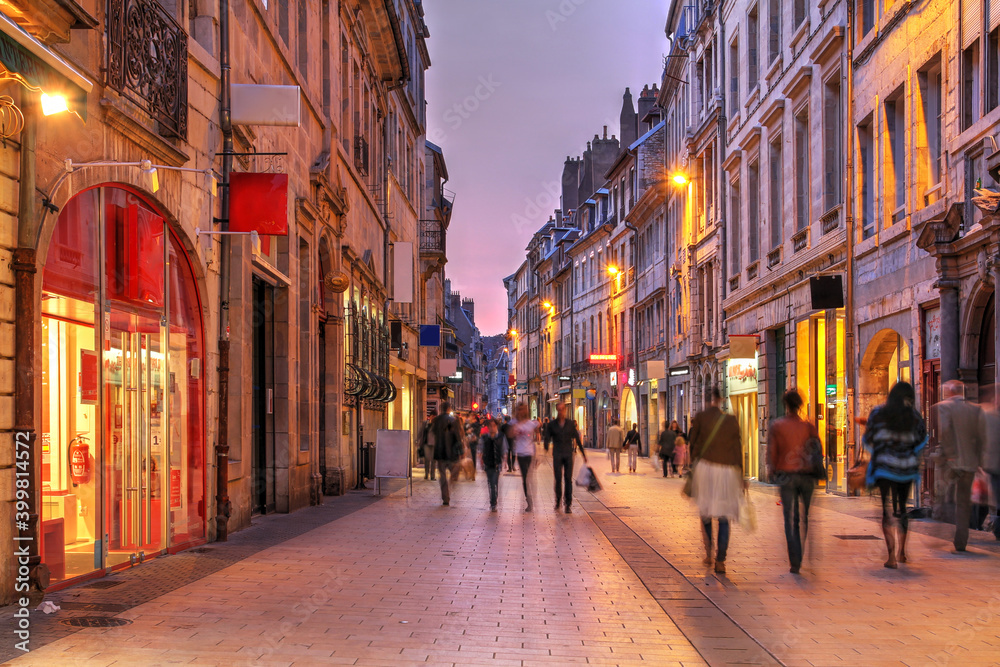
{"x": 723, "y": 541}
{"x": 493, "y": 480}
{"x": 795, "y": 487}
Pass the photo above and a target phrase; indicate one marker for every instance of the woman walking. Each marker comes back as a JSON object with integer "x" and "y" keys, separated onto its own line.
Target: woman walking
{"x": 895, "y": 435}
{"x": 525, "y": 433}
{"x": 632, "y": 442}
{"x": 788, "y": 465}
{"x": 718, "y": 482}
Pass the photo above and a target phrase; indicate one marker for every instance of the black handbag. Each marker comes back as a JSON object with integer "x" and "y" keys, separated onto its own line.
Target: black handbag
{"x": 815, "y": 461}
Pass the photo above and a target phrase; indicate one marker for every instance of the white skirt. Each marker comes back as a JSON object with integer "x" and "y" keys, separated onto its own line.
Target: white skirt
{"x": 718, "y": 490}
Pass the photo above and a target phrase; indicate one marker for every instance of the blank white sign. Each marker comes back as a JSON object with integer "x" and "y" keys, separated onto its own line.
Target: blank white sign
{"x": 392, "y": 453}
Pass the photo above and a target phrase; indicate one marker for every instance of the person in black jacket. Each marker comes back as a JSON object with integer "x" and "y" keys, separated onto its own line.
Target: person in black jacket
{"x": 494, "y": 444}
{"x": 668, "y": 445}
{"x": 632, "y": 444}
{"x": 447, "y": 447}
{"x": 563, "y": 434}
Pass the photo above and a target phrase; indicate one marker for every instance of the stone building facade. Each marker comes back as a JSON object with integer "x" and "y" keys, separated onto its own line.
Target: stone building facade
{"x": 116, "y": 270}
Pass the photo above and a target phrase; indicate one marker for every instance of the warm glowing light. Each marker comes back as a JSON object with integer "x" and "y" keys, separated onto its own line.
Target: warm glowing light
{"x": 513, "y": 332}
{"x": 53, "y": 104}
{"x": 603, "y": 358}
{"x": 547, "y": 304}
{"x": 613, "y": 271}
{"x": 680, "y": 179}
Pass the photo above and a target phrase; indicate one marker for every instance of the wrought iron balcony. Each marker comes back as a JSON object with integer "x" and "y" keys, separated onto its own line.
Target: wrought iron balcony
{"x": 432, "y": 237}
{"x": 147, "y": 58}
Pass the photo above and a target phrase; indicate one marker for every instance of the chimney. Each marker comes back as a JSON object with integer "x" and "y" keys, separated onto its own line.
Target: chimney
{"x": 629, "y": 121}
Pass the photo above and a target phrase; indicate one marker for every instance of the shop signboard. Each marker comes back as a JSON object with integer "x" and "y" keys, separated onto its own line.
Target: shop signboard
{"x": 741, "y": 375}
{"x": 603, "y": 358}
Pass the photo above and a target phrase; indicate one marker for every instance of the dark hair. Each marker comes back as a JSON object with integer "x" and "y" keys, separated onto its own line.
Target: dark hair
{"x": 793, "y": 400}
{"x": 899, "y": 411}
{"x": 674, "y": 421}
{"x": 716, "y": 393}
{"x": 445, "y": 407}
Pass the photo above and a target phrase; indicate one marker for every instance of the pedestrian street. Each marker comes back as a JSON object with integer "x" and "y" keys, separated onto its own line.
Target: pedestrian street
{"x": 404, "y": 580}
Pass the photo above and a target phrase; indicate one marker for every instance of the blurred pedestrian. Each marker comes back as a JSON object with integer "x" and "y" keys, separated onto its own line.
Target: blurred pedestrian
{"x": 718, "y": 483}
{"x": 960, "y": 452}
{"x": 668, "y": 446}
{"x": 494, "y": 447}
{"x": 447, "y": 447}
{"x": 788, "y": 465}
{"x": 509, "y": 434}
{"x": 525, "y": 432}
{"x": 615, "y": 439}
{"x": 426, "y": 440}
{"x": 545, "y": 429}
{"x": 895, "y": 434}
{"x": 564, "y": 434}
{"x": 632, "y": 443}
{"x": 989, "y": 429}
{"x": 682, "y": 453}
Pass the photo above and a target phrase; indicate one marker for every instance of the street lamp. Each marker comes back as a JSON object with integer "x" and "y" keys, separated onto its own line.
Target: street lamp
{"x": 680, "y": 179}
{"x": 547, "y": 305}
{"x": 613, "y": 271}
{"x": 52, "y": 104}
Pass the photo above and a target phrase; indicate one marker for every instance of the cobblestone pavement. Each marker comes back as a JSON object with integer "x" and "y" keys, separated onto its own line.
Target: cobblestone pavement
{"x": 405, "y": 580}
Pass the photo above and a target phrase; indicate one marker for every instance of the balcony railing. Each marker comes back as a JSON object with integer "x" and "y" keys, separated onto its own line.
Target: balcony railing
{"x": 432, "y": 237}
{"x": 147, "y": 56}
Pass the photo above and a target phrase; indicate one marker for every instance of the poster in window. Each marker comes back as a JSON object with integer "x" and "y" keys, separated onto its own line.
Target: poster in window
{"x": 932, "y": 333}
{"x": 88, "y": 377}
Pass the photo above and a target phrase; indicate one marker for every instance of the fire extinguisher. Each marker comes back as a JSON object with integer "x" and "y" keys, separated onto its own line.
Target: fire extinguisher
{"x": 79, "y": 460}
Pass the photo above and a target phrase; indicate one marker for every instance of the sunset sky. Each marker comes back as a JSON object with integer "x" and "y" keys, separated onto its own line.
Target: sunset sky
{"x": 514, "y": 87}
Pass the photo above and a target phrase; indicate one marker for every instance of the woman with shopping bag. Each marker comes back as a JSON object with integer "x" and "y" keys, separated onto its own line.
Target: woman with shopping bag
{"x": 717, "y": 475}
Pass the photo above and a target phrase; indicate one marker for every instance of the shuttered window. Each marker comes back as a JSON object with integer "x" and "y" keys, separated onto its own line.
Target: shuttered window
{"x": 972, "y": 21}
{"x": 994, "y": 14}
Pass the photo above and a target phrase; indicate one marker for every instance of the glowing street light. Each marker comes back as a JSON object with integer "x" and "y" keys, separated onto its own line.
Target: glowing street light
{"x": 513, "y": 333}
{"x": 52, "y": 104}
{"x": 613, "y": 271}
{"x": 548, "y": 305}
{"x": 680, "y": 179}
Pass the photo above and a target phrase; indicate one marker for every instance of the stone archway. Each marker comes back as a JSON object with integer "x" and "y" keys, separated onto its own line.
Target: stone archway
{"x": 886, "y": 360}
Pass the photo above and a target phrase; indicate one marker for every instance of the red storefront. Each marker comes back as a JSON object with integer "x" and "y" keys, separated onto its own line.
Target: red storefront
{"x": 122, "y": 427}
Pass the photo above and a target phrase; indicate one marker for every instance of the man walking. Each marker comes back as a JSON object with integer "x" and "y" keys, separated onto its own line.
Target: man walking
{"x": 989, "y": 433}
{"x": 563, "y": 433}
{"x": 426, "y": 442}
{"x": 960, "y": 451}
{"x": 615, "y": 440}
{"x": 494, "y": 444}
{"x": 447, "y": 447}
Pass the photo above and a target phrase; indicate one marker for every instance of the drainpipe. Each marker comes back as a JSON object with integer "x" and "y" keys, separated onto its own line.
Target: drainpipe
{"x": 635, "y": 325}
{"x": 720, "y": 180}
{"x": 847, "y": 194}
{"x": 223, "y": 507}
{"x": 25, "y": 266}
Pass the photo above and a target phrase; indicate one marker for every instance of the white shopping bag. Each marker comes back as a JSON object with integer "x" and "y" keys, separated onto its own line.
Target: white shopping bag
{"x": 583, "y": 477}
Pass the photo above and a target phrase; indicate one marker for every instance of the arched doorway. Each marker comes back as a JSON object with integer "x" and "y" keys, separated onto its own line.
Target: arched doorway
{"x": 122, "y": 388}
{"x": 629, "y": 415}
{"x": 987, "y": 353}
{"x": 886, "y": 362}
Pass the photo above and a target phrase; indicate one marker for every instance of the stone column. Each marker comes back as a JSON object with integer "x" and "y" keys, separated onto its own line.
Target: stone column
{"x": 948, "y": 290}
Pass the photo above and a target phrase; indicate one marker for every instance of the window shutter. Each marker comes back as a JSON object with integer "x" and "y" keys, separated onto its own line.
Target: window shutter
{"x": 994, "y": 14}
{"x": 972, "y": 21}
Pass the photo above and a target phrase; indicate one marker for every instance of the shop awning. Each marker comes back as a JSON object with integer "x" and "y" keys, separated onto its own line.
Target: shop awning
{"x": 23, "y": 56}
{"x": 367, "y": 385}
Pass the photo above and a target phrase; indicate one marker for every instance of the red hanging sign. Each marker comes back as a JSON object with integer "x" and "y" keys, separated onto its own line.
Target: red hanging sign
{"x": 258, "y": 203}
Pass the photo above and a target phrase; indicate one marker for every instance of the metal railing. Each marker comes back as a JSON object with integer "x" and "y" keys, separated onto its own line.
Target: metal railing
{"x": 147, "y": 55}
{"x": 432, "y": 237}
